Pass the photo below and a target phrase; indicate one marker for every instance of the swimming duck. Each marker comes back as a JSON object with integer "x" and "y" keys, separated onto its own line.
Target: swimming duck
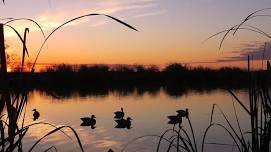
{"x": 175, "y": 119}
{"x": 183, "y": 113}
{"x": 110, "y": 150}
{"x": 88, "y": 121}
{"x": 36, "y": 114}
{"x": 119, "y": 114}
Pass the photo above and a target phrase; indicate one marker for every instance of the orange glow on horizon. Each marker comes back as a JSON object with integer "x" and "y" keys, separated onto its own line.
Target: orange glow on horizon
{"x": 41, "y": 67}
{"x": 100, "y": 40}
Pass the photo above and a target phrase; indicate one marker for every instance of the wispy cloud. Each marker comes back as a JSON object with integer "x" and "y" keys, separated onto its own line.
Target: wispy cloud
{"x": 117, "y": 8}
{"x": 151, "y": 14}
{"x": 121, "y": 9}
{"x": 254, "y": 49}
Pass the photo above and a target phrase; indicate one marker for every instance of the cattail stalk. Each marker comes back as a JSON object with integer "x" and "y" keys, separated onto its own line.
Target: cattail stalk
{"x": 3, "y": 62}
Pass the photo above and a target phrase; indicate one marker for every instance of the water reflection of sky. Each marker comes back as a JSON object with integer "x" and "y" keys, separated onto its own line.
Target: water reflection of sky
{"x": 149, "y": 113}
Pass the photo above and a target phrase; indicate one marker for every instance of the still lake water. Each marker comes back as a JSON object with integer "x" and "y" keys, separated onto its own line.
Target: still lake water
{"x": 149, "y": 113}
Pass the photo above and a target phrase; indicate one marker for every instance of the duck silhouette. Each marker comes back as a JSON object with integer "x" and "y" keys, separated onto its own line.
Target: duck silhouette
{"x": 124, "y": 123}
{"x": 119, "y": 114}
{"x": 110, "y": 150}
{"x": 89, "y": 121}
{"x": 36, "y": 114}
{"x": 175, "y": 119}
{"x": 183, "y": 113}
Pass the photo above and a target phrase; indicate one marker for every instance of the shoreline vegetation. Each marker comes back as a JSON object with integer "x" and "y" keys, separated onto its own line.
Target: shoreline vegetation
{"x": 174, "y": 75}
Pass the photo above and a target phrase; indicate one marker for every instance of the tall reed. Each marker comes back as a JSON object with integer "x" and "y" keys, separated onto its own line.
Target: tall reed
{"x": 258, "y": 137}
{"x": 11, "y": 132}
{"x": 259, "y": 108}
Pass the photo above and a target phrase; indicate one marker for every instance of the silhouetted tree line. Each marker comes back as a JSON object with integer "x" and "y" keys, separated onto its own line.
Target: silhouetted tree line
{"x": 174, "y": 77}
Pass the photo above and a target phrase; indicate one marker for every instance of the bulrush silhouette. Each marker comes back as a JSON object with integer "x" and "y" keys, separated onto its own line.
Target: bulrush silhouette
{"x": 89, "y": 121}
{"x": 268, "y": 66}
{"x": 119, "y": 114}
{"x": 124, "y": 123}
{"x": 36, "y": 114}
{"x": 183, "y": 113}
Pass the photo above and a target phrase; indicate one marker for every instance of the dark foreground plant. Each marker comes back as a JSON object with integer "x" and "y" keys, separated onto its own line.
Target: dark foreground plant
{"x": 258, "y": 137}
{"x": 179, "y": 138}
{"x": 13, "y": 105}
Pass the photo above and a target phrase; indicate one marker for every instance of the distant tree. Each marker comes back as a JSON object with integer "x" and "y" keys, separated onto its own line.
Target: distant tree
{"x": 64, "y": 68}
{"x": 124, "y": 68}
{"x": 230, "y": 69}
{"x": 175, "y": 67}
{"x": 49, "y": 69}
{"x": 93, "y": 69}
{"x": 139, "y": 68}
{"x": 153, "y": 68}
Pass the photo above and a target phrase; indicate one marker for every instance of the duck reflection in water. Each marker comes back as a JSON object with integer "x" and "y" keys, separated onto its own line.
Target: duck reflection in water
{"x": 124, "y": 123}
{"x": 36, "y": 114}
{"x": 89, "y": 121}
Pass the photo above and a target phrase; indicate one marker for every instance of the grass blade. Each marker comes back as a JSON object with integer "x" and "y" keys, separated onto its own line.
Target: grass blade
{"x": 18, "y": 34}
{"x": 228, "y": 131}
{"x": 24, "y": 49}
{"x": 193, "y": 135}
{"x": 239, "y": 127}
{"x": 55, "y": 130}
{"x": 48, "y": 149}
{"x": 157, "y": 136}
{"x": 12, "y": 147}
{"x": 246, "y": 27}
{"x": 170, "y": 144}
{"x": 87, "y": 15}
{"x": 212, "y": 114}
{"x": 27, "y": 19}
{"x": 46, "y": 123}
{"x": 244, "y": 107}
{"x": 162, "y": 136}
{"x": 121, "y": 22}
{"x": 249, "y": 17}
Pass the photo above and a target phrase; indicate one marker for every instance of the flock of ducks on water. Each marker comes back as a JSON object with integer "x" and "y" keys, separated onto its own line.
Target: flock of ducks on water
{"x": 121, "y": 122}
{"x": 91, "y": 121}
{"x": 119, "y": 119}
{"x": 124, "y": 123}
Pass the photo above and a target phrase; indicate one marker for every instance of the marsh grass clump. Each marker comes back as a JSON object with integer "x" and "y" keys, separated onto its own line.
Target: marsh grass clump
{"x": 258, "y": 137}
{"x": 13, "y": 104}
{"x": 12, "y": 123}
{"x": 184, "y": 140}
{"x": 178, "y": 138}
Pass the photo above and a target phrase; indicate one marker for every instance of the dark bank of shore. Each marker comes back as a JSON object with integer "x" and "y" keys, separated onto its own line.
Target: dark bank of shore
{"x": 173, "y": 77}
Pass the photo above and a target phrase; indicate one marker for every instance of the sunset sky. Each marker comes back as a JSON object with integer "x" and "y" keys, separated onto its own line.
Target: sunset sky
{"x": 169, "y": 31}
